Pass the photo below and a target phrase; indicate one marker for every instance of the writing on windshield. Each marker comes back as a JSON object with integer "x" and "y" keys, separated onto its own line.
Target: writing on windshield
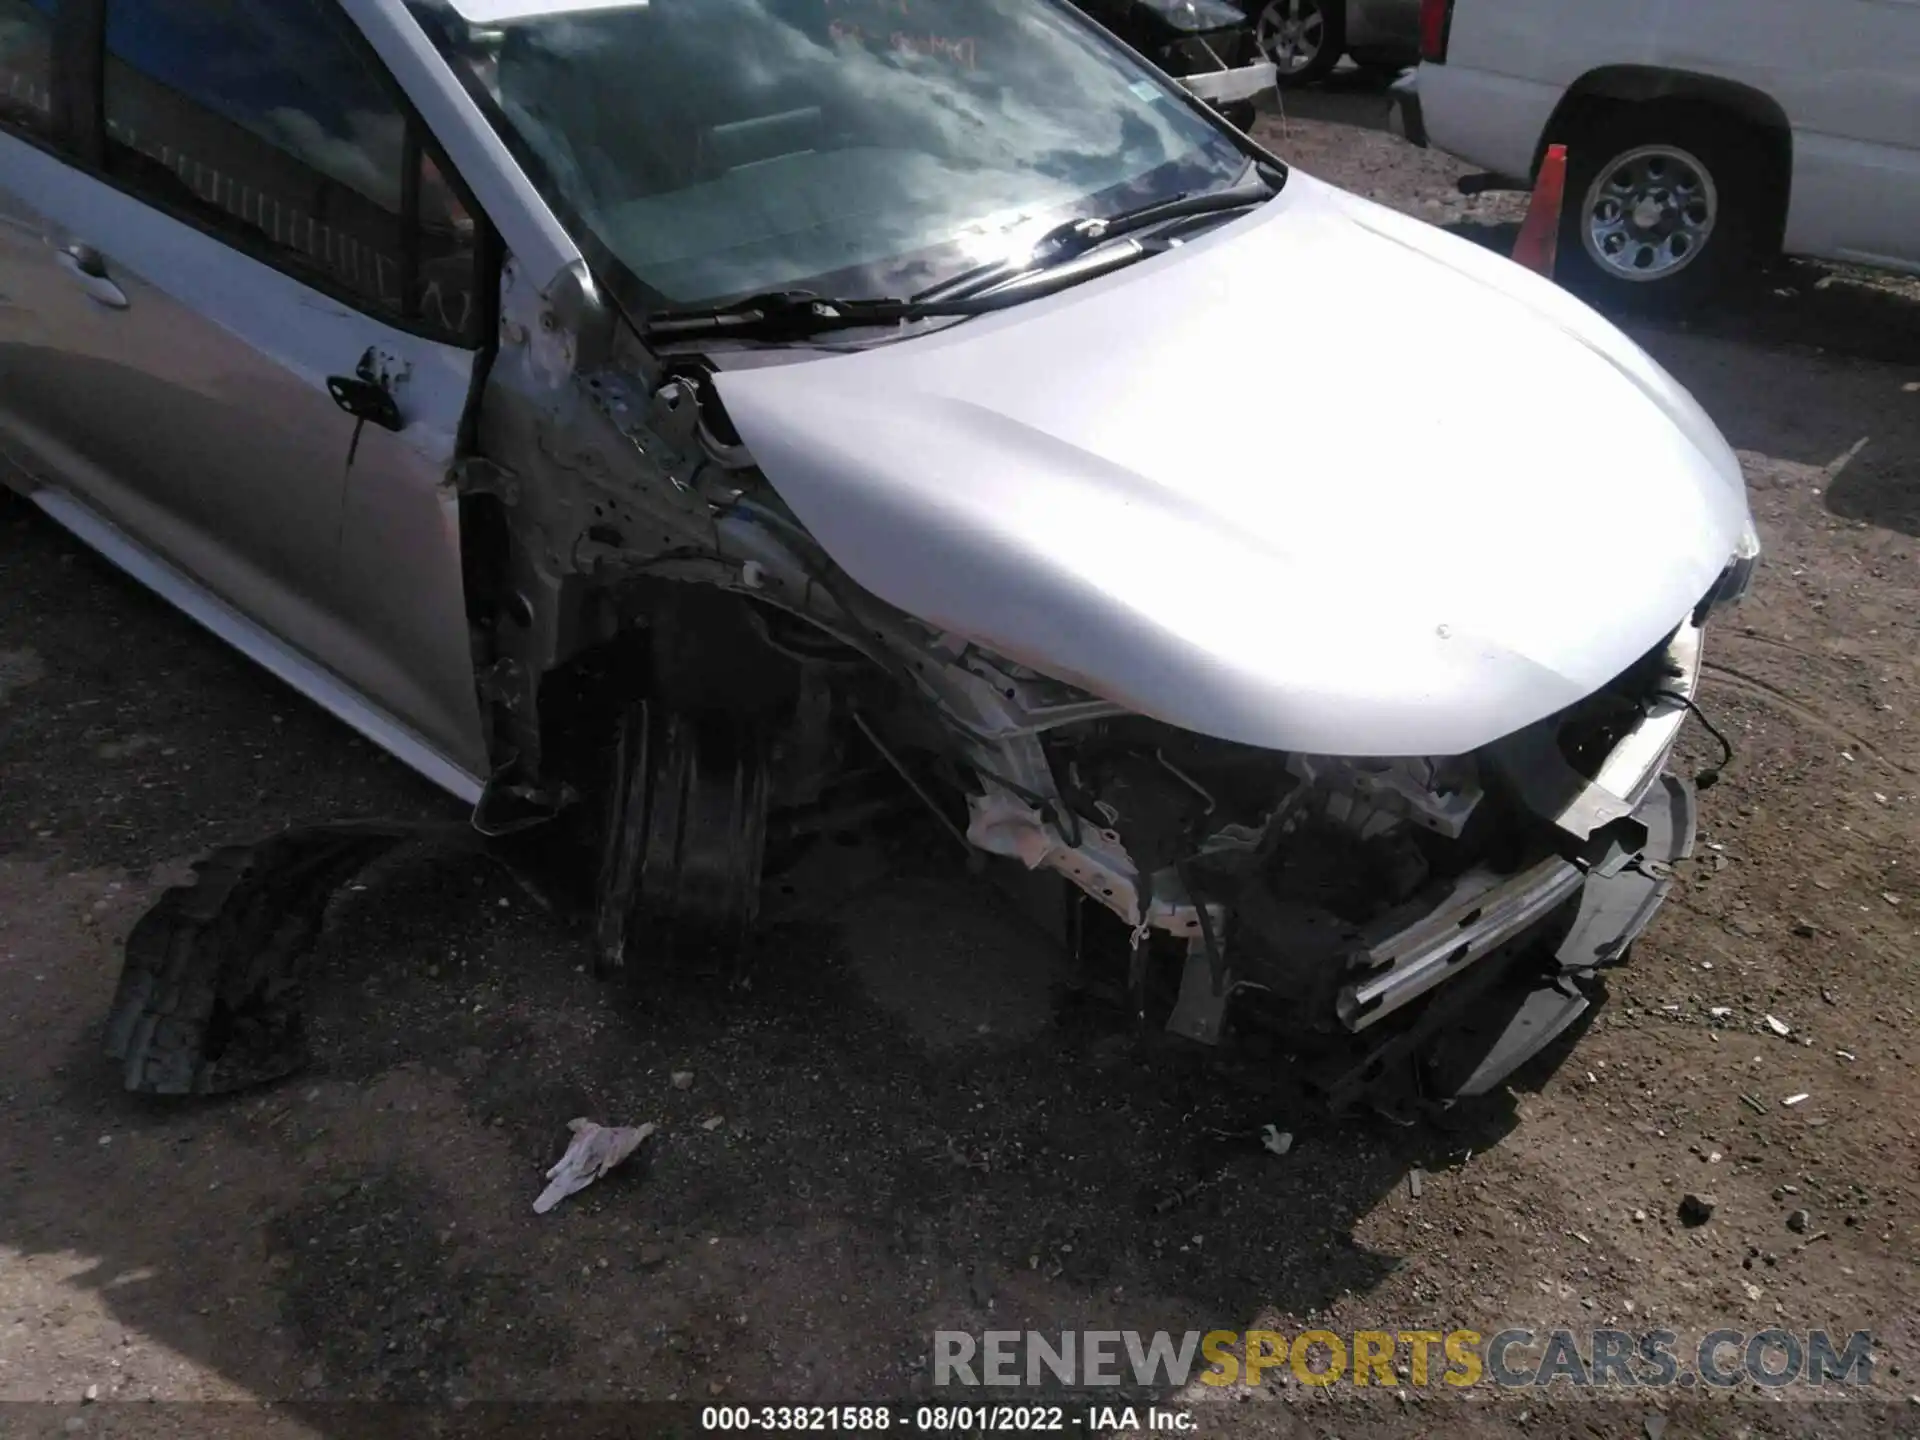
{"x": 889, "y": 23}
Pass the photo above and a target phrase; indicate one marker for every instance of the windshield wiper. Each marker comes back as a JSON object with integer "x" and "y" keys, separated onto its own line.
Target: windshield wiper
{"x": 794, "y": 313}
{"x": 1073, "y": 238}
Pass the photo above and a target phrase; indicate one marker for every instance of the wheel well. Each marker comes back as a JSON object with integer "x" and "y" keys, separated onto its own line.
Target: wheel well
{"x": 695, "y": 647}
{"x": 1601, "y": 94}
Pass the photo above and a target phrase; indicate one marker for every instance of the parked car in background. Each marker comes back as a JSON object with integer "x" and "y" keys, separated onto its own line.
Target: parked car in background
{"x": 1207, "y": 45}
{"x": 1700, "y": 138}
{"x": 1305, "y": 39}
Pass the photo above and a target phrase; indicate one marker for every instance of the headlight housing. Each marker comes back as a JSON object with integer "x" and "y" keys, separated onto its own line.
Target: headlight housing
{"x": 1737, "y": 578}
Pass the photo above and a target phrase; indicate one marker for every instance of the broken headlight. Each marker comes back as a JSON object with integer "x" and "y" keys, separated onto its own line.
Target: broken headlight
{"x": 1737, "y": 578}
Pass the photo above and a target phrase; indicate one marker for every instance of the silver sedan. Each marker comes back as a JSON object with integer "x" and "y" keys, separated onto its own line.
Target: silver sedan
{"x": 696, "y": 428}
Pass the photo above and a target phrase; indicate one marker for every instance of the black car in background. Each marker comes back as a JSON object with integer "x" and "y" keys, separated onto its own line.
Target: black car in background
{"x": 1207, "y": 45}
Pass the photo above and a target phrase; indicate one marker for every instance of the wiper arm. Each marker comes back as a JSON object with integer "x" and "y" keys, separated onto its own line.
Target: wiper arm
{"x": 1072, "y": 238}
{"x": 798, "y": 313}
{"x": 791, "y": 312}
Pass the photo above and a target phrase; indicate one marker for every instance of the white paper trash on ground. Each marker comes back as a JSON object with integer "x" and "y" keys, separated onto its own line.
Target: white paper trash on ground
{"x": 594, "y": 1150}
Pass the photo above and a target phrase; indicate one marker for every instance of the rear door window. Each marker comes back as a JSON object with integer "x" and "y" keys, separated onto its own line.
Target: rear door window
{"x": 266, "y": 122}
{"x": 26, "y": 65}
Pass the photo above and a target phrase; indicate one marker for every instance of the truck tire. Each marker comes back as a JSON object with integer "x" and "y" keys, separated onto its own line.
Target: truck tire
{"x": 1662, "y": 208}
{"x": 1304, "y": 38}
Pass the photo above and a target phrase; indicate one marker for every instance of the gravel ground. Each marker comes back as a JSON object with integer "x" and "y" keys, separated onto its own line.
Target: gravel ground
{"x": 893, "y": 1124}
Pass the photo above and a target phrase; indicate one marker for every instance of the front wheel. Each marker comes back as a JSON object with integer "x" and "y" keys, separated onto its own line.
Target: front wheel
{"x": 1660, "y": 208}
{"x": 1303, "y": 38}
{"x": 683, "y": 836}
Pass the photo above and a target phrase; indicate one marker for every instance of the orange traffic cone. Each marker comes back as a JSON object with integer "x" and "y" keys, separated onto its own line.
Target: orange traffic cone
{"x": 1540, "y": 231}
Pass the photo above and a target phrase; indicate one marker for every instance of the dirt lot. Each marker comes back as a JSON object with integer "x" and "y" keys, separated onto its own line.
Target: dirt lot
{"x": 912, "y": 1132}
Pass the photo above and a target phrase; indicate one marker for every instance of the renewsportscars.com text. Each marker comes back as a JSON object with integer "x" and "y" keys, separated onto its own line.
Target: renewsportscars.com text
{"x": 1513, "y": 1358}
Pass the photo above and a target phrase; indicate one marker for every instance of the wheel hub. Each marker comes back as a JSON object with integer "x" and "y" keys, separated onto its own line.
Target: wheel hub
{"x": 1290, "y": 33}
{"x": 1649, "y": 213}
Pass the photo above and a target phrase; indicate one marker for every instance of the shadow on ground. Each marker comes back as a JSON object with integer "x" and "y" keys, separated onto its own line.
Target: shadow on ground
{"x": 1816, "y": 342}
{"x": 896, "y": 1119}
{"x": 873, "y": 1173}
{"x": 1854, "y": 424}
{"x": 1349, "y": 96}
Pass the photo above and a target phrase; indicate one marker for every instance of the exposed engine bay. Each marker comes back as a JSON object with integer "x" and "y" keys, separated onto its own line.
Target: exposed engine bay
{"x": 663, "y": 643}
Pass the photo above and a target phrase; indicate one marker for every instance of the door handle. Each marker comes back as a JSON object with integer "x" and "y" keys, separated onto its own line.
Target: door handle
{"x": 365, "y": 400}
{"x": 87, "y": 260}
{"x": 88, "y": 266}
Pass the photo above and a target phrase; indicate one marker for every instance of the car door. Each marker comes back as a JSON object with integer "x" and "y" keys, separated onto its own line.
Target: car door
{"x": 246, "y": 233}
{"x": 43, "y": 299}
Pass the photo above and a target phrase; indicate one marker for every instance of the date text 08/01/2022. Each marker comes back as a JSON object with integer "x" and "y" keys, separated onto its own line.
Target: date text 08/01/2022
{"x": 944, "y": 1419}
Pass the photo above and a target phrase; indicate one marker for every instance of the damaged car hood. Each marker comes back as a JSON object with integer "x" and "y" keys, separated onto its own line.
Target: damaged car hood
{"x": 1324, "y": 479}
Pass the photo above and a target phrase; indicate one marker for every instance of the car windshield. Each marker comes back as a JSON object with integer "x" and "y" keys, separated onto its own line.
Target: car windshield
{"x": 711, "y": 149}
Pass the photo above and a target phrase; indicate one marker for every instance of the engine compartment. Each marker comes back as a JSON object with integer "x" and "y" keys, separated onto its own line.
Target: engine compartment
{"x": 667, "y": 649}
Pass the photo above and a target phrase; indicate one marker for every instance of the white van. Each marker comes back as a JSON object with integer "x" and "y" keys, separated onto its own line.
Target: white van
{"x": 1700, "y": 137}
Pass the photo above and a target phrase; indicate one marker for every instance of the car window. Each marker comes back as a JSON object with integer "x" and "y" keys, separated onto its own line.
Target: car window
{"x": 263, "y": 119}
{"x": 710, "y": 148}
{"x": 26, "y": 64}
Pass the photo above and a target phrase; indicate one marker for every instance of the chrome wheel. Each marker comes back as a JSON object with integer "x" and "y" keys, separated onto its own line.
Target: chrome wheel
{"x": 1291, "y": 33}
{"x": 1649, "y": 213}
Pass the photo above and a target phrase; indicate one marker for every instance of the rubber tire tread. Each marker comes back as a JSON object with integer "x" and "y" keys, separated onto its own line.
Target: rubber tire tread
{"x": 212, "y": 988}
